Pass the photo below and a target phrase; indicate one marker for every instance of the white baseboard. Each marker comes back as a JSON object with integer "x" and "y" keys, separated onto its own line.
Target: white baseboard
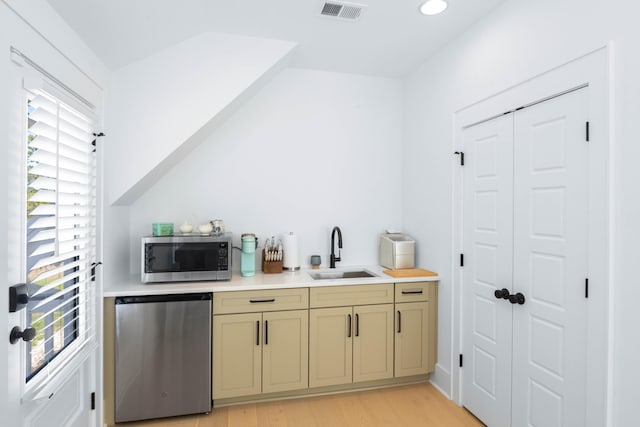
{"x": 441, "y": 380}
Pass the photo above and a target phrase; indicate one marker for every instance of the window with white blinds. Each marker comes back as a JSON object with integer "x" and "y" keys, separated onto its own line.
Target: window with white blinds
{"x": 60, "y": 230}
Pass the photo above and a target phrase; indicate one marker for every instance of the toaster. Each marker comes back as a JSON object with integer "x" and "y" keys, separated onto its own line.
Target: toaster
{"x": 397, "y": 251}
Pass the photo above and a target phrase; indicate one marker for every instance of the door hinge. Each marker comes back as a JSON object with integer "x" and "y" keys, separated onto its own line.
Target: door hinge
{"x": 586, "y": 288}
{"x": 461, "y": 153}
{"x": 461, "y": 260}
{"x": 587, "y": 131}
{"x": 96, "y": 136}
{"x": 461, "y": 360}
{"x": 93, "y": 270}
{"x": 93, "y": 400}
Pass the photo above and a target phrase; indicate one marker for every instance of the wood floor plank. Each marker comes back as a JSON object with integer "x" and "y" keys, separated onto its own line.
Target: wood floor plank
{"x": 419, "y": 405}
{"x": 242, "y": 416}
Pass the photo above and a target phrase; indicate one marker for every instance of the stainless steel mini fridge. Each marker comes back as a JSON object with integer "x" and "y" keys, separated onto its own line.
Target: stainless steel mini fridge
{"x": 162, "y": 356}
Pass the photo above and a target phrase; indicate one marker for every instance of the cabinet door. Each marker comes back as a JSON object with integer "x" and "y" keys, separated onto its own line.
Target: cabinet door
{"x": 373, "y": 342}
{"x": 412, "y": 339}
{"x": 285, "y": 350}
{"x": 330, "y": 346}
{"x": 237, "y": 351}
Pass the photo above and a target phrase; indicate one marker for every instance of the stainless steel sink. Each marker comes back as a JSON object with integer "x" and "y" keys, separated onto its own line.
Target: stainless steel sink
{"x": 340, "y": 274}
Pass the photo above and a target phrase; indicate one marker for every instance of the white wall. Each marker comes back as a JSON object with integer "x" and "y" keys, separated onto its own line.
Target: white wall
{"x": 518, "y": 41}
{"x": 311, "y": 150}
{"x": 158, "y": 103}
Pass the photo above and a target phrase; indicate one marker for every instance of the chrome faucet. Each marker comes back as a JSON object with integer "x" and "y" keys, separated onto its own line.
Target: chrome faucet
{"x": 333, "y": 258}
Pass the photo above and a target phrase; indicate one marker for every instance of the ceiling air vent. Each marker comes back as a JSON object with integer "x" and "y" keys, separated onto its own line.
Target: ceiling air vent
{"x": 341, "y": 10}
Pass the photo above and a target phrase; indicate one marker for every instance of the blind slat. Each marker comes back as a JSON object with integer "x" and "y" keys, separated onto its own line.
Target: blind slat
{"x": 70, "y": 222}
{"x": 55, "y": 271}
{"x": 48, "y": 104}
{"x": 55, "y": 259}
{"x": 43, "y": 157}
{"x": 59, "y": 120}
{"x": 88, "y": 333}
{"x": 61, "y": 235}
{"x": 63, "y": 175}
{"x": 43, "y": 143}
{"x": 71, "y": 303}
{"x": 45, "y": 183}
{"x": 49, "y": 196}
{"x": 63, "y": 292}
{"x": 62, "y": 211}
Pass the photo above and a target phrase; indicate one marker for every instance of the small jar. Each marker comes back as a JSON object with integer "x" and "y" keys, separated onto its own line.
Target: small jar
{"x": 315, "y": 261}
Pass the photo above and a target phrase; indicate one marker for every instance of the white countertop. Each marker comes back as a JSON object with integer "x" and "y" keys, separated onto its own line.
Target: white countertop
{"x": 298, "y": 279}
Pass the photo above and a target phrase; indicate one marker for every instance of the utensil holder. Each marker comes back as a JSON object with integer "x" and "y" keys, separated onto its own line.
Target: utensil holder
{"x": 271, "y": 267}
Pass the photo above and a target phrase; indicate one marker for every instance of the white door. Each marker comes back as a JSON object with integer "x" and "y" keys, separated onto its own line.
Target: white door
{"x": 488, "y": 243}
{"x": 57, "y": 393}
{"x": 526, "y": 357}
{"x": 551, "y": 220}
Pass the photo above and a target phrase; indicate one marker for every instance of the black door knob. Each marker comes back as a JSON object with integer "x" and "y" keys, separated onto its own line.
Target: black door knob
{"x": 16, "y": 334}
{"x": 517, "y": 299}
{"x": 502, "y": 293}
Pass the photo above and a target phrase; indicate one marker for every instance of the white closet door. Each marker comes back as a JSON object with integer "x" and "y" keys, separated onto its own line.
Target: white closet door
{"x": 550, "y": 263}
{"x": 488, "y": 242}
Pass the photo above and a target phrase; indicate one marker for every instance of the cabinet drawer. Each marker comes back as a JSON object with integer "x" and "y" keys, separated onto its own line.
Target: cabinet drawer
{"x": 338, "y": 296}
{"x": 416, "y": 291}
{"x": 261, "y": 300}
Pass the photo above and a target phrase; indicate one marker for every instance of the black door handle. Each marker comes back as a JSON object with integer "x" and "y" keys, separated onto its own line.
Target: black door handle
{"x": 266, "y": 332}
{"x": 357, "y": 325}
{"x": 257, "y": 332}
{"x": 349, "y": 326}
{"x": 399, "y": 322}
{"x": 517, "y": 299}
{"x": 16, "y": 334}
{"x": 502, "y": 293}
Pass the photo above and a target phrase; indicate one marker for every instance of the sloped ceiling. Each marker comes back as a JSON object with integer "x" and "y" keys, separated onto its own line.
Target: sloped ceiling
{"x": 390, "y": 39}
{"x": 144, "y": 43}
{"x": 162, "y": 106}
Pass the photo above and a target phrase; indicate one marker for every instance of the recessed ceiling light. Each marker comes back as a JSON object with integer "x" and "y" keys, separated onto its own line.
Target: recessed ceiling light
{"x": 433, "y": 7}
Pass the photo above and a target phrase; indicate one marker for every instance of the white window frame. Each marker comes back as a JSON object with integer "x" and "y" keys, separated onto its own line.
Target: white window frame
{"x": 51, "y": 377}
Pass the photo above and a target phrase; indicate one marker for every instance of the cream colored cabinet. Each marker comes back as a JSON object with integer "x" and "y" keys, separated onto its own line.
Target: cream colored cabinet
{"x": 285, "y": 351}
{"x": 415, "y": 328}
{"x": 351, "y": 343}
{"x": 330, "y": 346}
{"x": 237, "y": 355}
{"x": 373, "y": 342}
{"x": 260, "y": 352}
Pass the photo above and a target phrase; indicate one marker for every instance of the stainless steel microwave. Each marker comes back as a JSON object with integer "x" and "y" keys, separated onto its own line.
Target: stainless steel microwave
{"x": 186, "y": 258}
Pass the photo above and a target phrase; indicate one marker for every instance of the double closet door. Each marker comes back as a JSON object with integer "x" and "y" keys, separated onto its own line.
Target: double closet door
{"x": 525, "y": 241}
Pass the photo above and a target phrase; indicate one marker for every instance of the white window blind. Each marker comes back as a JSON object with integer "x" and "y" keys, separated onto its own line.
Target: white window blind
{"x": 61, "y": 232}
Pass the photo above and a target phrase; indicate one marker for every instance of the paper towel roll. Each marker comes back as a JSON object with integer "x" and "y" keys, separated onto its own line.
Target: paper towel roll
{"x": 290, "y": 247}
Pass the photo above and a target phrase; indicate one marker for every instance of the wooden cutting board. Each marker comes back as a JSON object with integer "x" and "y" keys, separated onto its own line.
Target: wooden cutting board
{"x": 410, "y": 272}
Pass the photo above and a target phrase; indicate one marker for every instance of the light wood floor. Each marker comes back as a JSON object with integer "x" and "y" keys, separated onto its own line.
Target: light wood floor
{"x": 414, "y": 405}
